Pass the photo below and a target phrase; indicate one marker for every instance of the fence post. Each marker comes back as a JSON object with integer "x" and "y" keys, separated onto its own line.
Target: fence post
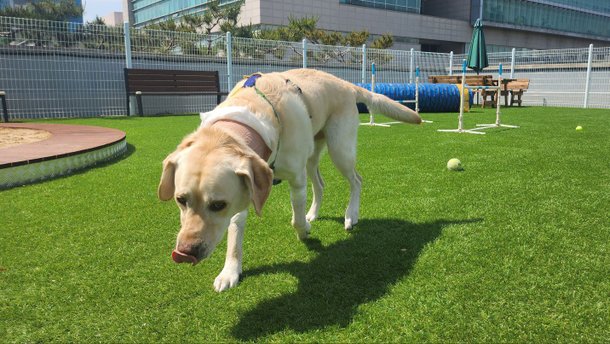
{"x": 304, "y": 52}
{"x": 512, "y": 63}
{"x": 363, "y": 63}
{"x": 128, "y": 63}
{"x": 588, "y": 81}
{"x": 229, "y": 61}
{"x": 127, "y": 37}
{"x": 411, "y": 63}
{"x": 451, "y": 63}
{"x": 4, "y": 107}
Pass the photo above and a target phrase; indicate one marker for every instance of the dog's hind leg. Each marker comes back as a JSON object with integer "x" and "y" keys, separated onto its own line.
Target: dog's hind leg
{"x": 298, "y": 198}
{"x": 317, "y": 183}
{"x": 342, "y": 133}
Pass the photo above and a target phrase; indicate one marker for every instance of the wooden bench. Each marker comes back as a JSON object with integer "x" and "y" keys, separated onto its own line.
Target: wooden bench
{"x": 516, "y": 88}
{"x": 471, "y": 80}
{"x": 159, "y": 82}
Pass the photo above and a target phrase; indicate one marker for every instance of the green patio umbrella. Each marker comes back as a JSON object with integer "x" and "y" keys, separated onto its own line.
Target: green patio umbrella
{"x": 477, "y": 56}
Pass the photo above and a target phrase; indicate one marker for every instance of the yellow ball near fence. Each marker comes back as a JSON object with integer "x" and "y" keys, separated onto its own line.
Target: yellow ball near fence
{"x": 579, "y": 128}
{"x": 454, "y": 165}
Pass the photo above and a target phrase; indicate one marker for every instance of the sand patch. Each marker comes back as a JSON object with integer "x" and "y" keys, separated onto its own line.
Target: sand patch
{"x": 10, "y": 137}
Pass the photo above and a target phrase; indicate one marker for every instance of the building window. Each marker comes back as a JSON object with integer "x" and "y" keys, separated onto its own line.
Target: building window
{"x": 545, "y": 16}
{"x": 392, "y": 5}
{"x": 150, "y": 11}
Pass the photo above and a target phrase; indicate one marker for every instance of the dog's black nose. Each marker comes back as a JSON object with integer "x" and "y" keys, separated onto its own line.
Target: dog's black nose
{"x": 190, "y": 249}
{"x": 185, "y": 253}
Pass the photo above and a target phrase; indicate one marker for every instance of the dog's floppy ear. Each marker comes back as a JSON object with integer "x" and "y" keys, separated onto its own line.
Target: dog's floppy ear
{"x": 166, "y": 184}
{"x": 259, "y": 179}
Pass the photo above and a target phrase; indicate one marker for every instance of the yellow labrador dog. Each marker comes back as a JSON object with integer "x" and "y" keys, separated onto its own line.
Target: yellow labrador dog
{"x": 271, "y": 126}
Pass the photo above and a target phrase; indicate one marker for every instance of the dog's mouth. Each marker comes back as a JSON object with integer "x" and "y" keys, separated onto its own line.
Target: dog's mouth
{"x": 180, "y": 257}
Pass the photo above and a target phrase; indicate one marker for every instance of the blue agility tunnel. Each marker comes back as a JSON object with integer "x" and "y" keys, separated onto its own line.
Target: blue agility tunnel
{"x": 432, "y": 97}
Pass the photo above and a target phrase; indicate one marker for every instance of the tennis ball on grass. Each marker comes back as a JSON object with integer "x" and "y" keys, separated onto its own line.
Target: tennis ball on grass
{"x": 454, "y": 165}
{"x": 578, "y": 128}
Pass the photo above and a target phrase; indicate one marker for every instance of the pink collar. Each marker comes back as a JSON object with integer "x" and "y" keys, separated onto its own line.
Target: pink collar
{"x": 250, "y": 136}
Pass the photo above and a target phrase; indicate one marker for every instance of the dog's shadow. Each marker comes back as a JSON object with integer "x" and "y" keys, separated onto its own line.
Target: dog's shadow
{"x": 343, "y": 276}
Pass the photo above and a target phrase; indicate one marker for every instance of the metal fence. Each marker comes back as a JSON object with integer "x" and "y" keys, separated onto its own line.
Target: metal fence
{"x": 55, "y": 69}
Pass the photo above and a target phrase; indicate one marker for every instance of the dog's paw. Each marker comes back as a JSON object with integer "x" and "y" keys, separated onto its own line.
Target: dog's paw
{"x": 303, "y": 231}
{"x": 226, "y": 280}
{"x": 311, "y": 216}
{"x": 350, "y": 223}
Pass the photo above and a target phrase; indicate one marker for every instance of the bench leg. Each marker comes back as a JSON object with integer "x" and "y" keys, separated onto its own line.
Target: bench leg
{"x": 4, "y": 108}
{"x": 139, "y": 100}
{"x": 493, "y": 98}
{"x": 515, "y": 97}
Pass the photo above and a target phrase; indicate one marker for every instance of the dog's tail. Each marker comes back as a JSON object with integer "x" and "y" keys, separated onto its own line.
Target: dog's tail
{"x": 380, "y": 104}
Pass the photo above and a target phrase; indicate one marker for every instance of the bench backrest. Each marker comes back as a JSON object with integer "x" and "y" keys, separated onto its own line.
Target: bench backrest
{"x": 444, "y": 79}
{"x": 480, "y": 80}
{"x": 161, "y": 81}
{"x": 472, "y": 80}
{"x": 518, "y": 84}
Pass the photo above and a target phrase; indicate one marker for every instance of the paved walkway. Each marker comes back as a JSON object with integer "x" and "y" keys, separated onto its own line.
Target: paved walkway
{"x": 66, "y": 140}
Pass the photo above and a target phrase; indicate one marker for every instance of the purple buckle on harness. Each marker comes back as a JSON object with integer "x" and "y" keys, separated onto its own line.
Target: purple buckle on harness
{"x": 251, "y": 80}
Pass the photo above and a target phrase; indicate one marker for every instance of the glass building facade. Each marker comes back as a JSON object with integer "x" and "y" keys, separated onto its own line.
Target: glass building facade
{"x": 589, "y": 18}
{"x": 525, "y": 24}
{"x": 392, "y": 5}
{"x": 150, "y": 11}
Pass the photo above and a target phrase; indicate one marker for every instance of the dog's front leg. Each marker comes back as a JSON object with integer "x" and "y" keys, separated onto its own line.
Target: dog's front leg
{"x": 229, "y": 276}
{"x": 298, "y": 198}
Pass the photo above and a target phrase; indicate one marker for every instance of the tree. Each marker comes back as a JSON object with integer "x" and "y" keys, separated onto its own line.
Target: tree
{"x": 306, "y": 28}
{"x": 384, "y": 42}
{"x": 97, "y": 21}
{"x": 62, "y": 10}
{"x": 215, "y": 18}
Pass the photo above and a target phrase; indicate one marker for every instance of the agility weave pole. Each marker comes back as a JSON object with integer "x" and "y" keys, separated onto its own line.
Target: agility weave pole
{"x": 416, "y": 100}
{"x": 460, "y": 128}
{"x": 371, "y": 121}
{"x": 498, "y": 123}
{"x": 371, "y": 116}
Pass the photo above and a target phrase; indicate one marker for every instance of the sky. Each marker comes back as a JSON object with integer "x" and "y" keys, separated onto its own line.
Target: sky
{"x": 100, "y": 8}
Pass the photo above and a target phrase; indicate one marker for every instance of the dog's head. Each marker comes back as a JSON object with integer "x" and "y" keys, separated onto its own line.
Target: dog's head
{"x": 212, "y": 178}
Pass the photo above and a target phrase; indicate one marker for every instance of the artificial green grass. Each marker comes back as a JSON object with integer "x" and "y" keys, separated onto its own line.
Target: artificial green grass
{"x": 513, "y": 249}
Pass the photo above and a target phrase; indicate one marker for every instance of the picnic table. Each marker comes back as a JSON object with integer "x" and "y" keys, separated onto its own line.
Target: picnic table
{"x": 471, "y": 80}
{"x": 510, "y": 87}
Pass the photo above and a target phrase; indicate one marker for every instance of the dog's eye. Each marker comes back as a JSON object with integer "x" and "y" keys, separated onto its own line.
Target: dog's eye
{"x": 217, "y": 205}
{"x": 181, "y": 200}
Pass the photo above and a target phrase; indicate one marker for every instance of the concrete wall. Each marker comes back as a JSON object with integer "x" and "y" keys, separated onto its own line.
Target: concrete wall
{"x": 446, "y": 25}
{"x": 341, "y": 17}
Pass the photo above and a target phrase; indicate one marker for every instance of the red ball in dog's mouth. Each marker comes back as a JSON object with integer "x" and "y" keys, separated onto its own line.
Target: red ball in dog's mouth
{"x": 180, "y": 257}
